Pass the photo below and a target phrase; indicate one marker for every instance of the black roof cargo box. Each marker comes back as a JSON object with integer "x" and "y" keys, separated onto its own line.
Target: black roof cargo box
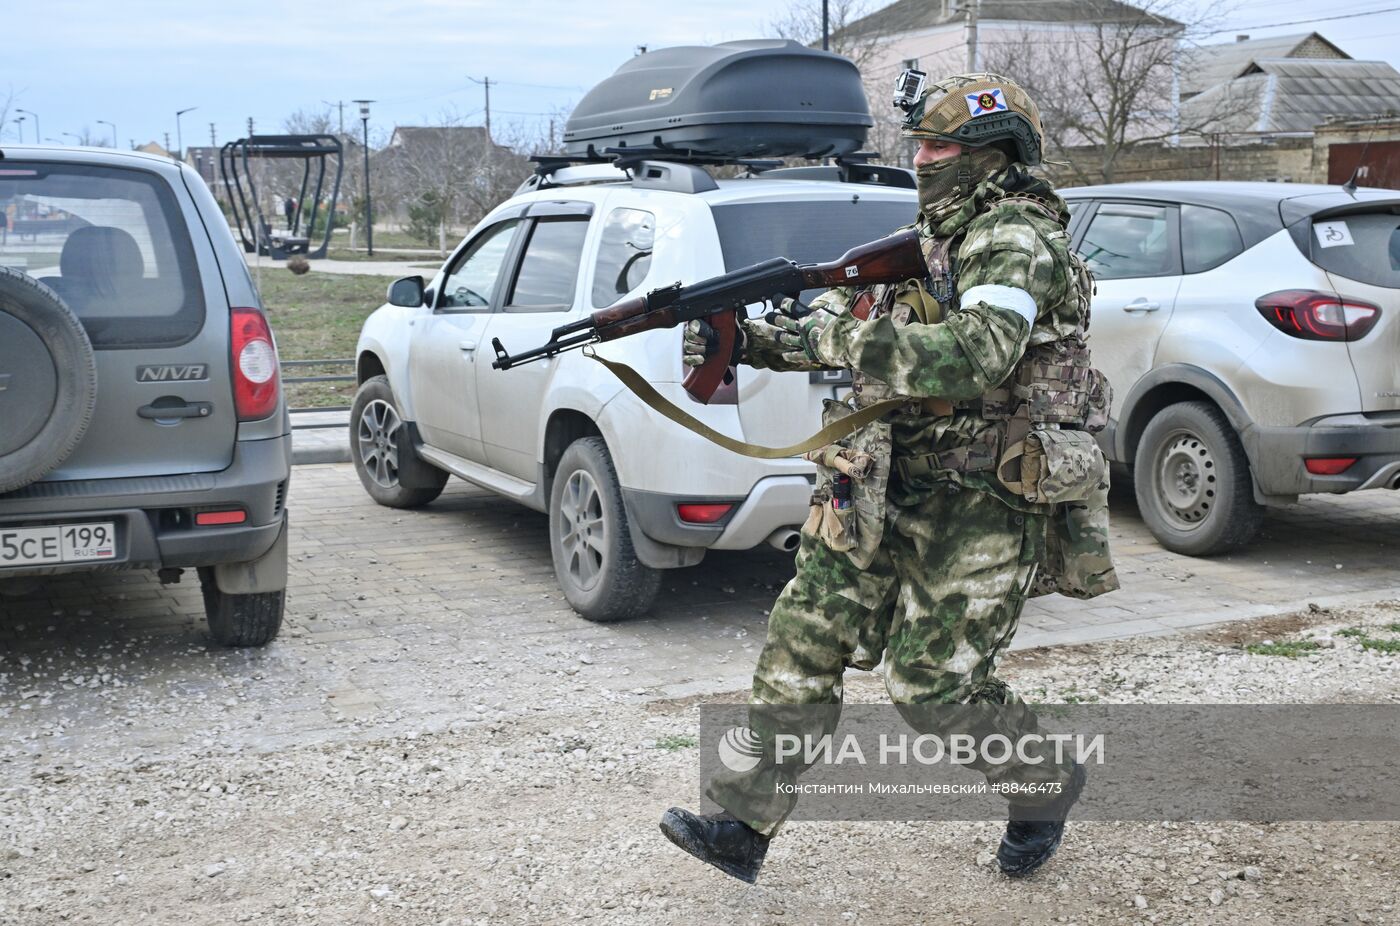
{"x": 755, "y": 98}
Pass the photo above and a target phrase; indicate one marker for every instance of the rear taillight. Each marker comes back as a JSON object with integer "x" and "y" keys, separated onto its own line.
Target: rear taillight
{"x": 702, "y": 514}
{"x": 1318, "y": 316}
{"x": 1328, "y": 466}
{"x": 255, "y": 381}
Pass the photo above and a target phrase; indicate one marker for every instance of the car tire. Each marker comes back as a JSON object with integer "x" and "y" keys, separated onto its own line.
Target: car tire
{"x": 1192, "y": 481}
{"x": 383, "y": 453}
{"x": 241, "y": 620}
{"x": 48, "y": 380}
{"x": 590, "y": 538}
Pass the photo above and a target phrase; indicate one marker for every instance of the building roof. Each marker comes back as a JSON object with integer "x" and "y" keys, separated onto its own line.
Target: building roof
{"x": 1277, "y": 95}
{"x": 913, "y": 15}
{"x": 410, "y": 135}
{"x": 1208, "y": 65}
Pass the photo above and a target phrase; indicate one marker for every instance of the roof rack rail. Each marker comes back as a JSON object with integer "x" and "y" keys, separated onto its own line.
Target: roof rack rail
{"x": 850, "y": 168}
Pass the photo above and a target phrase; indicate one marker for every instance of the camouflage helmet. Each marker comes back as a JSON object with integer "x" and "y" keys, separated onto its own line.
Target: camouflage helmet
{"x": 971, "y": 109}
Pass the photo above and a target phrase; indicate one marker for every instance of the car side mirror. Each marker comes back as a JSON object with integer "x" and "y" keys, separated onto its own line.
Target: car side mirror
{"x": 407, "y": 292}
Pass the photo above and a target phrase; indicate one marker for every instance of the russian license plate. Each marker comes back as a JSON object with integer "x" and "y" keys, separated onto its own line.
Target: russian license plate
{"x": 57, "y": 543}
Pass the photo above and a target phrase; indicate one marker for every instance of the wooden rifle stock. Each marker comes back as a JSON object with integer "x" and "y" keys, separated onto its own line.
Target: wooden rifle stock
{"x": 887, "y": 260}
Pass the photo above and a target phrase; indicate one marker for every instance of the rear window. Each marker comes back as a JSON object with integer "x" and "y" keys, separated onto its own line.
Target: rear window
{"x": 1365, "y": 248}
{"x": 807, "y": 232}
{"x": 111, "y": 242}
{"x": 1209, "y": 237}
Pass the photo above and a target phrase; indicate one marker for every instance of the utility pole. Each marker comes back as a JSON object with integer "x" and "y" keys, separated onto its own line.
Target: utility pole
{"x": 826, "y": 26}
{"x": 213, "y": 138}
{"x": 340, "y": 105}
{"x": 250, "y": 126}
{"x": 485, "y": 82}
{"x": 167, "y": 142}
{"x": 972, "y": 6}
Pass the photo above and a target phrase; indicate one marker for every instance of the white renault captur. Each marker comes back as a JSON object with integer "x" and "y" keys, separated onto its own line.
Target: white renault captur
{"x": 628, "y": 492}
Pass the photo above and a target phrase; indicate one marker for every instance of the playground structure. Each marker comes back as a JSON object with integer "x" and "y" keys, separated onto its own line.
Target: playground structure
{"x": 237, "y": 160}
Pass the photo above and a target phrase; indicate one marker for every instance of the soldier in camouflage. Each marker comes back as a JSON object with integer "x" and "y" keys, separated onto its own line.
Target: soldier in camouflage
{"x": 964, "y": 495}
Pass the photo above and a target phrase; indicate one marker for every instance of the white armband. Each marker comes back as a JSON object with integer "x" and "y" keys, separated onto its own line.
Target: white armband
{"x": 1003, "y": 297}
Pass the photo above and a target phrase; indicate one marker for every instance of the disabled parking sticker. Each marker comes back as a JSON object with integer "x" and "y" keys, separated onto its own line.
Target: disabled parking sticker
{"x": 1332, "y": 234}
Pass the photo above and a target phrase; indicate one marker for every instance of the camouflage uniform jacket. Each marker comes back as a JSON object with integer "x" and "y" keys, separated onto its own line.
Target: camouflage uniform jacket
{"x": 953, "y": 351}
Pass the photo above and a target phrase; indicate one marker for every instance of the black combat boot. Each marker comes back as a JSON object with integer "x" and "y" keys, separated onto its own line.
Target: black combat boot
{"x": 1034, "y": 833}
{"x": 718, "y": 839}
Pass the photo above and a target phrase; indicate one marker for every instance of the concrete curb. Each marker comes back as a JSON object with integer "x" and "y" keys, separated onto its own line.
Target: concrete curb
{"x": 321, "y": 444}
{"x": 320, "y": 454}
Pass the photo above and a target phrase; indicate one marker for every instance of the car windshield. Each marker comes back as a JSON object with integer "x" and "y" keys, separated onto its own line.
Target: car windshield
{"x": 1365, "y": 247}
{"x": 110, "y": 242}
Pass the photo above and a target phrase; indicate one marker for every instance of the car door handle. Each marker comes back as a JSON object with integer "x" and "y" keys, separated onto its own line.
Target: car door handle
{"x": 187, "y": 410}
{"x": 468, "y": 346}
{"x": 1142, "y": 305}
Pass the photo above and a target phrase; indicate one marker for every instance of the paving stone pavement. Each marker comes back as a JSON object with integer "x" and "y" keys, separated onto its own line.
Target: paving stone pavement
{"x": 449, "y": 615}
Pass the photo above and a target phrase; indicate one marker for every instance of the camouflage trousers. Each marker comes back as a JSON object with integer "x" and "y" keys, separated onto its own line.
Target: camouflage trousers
{"x": 940, "y": 602}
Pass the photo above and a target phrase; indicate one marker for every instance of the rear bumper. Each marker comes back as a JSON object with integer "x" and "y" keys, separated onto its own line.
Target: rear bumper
{"x": 1278, "y": 455}
{"x": 775, "y": 502}
{"x": 154, "y": 516}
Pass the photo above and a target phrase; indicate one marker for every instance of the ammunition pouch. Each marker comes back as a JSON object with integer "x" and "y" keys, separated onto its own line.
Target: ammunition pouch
{"x": 1077, "y": 559}
{"x": 864, "y": 456}
{"x": 1050, "y": 466}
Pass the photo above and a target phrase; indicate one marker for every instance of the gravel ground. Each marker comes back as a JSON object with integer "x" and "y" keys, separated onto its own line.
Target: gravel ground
{"x": 549, "y": 815}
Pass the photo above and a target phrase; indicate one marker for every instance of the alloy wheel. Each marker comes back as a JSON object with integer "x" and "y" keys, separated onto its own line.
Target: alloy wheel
{"x": 582, "y": 530}
{"x": 378, "y": 438}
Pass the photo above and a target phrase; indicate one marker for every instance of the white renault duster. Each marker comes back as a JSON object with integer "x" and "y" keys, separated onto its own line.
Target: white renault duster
{"x": 628, "y": 493}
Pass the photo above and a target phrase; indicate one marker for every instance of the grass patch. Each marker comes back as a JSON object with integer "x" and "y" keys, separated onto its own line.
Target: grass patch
{"x": 318, "y": 316}
{"x": 676, "y": 741}
{"x": 1289, "y": 649}
{"x": 1369, "y": 642}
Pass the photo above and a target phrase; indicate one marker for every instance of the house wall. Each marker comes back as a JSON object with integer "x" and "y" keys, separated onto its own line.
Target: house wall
{"x": 1285, "y": 159}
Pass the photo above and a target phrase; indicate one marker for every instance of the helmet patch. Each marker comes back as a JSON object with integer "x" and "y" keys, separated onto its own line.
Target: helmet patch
{"x": 985, "y": 102}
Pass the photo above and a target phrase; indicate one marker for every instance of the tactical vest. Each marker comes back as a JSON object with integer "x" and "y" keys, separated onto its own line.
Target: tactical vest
{"x": 1040, "y": 447}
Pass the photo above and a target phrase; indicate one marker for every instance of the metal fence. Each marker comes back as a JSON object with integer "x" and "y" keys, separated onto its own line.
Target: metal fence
{"x": 331, "y": 378}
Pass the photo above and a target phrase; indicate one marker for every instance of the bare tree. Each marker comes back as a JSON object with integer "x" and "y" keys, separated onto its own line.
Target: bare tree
{"x": 448, "y": 173}
{"x": 801, "y": 21}
{"x": 92, "y": 139}
{"x": 1110, "y": 84}
{"x": 852, "y": 36}
{"x": 311, "y": 121}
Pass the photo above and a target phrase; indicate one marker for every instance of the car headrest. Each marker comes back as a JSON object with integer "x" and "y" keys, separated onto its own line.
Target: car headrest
{"x": 101, "y": 259}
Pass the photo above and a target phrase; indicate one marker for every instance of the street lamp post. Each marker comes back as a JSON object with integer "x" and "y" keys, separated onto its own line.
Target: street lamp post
{"x": 180, "y": 139}
{"x": 369, "y": 209}
{"x": 37, "y": 133}
{"x": 75, "y": 138}
{"x": 19, "y": 121}
{"x": 114, "y": 131}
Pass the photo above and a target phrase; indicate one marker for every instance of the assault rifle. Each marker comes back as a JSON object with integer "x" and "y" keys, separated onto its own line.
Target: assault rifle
{"x": 721, "y": 299}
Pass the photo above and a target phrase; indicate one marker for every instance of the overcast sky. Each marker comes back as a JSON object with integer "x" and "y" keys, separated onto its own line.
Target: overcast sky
{"x": 135, "y": 62}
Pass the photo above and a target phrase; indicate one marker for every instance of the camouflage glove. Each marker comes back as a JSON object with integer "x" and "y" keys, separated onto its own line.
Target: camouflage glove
{"x": 701, "y": 341}
{"x": 798, "y": 336}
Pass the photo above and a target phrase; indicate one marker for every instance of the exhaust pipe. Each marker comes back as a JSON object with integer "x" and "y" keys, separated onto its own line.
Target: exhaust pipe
{"x": 785, "y": 539}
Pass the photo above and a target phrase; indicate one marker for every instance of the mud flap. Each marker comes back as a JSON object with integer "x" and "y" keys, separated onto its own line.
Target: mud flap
{"x": 267, "y": 573}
